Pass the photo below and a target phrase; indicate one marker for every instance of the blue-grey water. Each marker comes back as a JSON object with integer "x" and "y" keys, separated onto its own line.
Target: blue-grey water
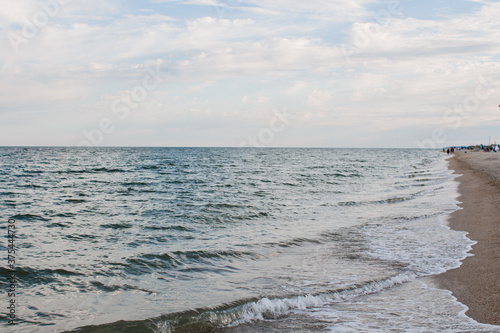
{"x": 231, "y": 240}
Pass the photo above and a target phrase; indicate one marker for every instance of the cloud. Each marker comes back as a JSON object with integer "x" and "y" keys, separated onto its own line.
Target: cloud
{"x": 296, "y": 88}
{"x": 463, "y": 35}
{"x": 313, "y": 6}
{"x": 319, "y": 98}
{"x": 192, "y": 2}
{"x": 268, "y": 58}
{"x": 14, "y": 12}
{"x": 318, "y": 9}
{"x": 328, "y": 10}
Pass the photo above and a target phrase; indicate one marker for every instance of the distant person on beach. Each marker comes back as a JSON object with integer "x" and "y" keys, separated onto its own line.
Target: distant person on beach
{"x": 448, "y": 151}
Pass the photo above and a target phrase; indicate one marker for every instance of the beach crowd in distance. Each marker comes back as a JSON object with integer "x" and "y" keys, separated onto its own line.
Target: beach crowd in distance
{"x": 484, "y": 148}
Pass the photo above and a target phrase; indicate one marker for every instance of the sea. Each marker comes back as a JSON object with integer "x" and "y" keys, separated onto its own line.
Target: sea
{"x": 113, "y": 239}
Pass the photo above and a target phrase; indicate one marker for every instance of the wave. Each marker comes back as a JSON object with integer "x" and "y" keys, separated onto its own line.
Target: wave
{"x": 136, "y": 184}
{"x": 248, "y": 310}
{"x": 65, "y": 215}
{"x": 33, "y": 171}
{"x": 69, "y": 171}
{"x": 107, "y": 170}
{"x": 150, "y": 167}
{"x": 112, "y": 288}
{"x": 182, "y": 260}
{"x": 59, "y": 225}
{"x": 170, "y": 227}
{"x": 117, "y": 226}
{"x": 83, "y": 171}
{"x": 226, "y": 206}
{"x": 29, "y": 217}
{"x": 391, "y": 200}
{"x": 72, "y": 201}
{"x": 79, "y": 237}
{"x": 9, "y": 193}
{"x": 293, "y": 242}
{"x": 33, "y": 276}
{"x": 31, "y": 186}
{"x": 346, "y": 174}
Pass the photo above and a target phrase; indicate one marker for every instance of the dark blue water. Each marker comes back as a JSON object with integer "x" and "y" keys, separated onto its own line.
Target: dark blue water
{"x": 223, "y": 239}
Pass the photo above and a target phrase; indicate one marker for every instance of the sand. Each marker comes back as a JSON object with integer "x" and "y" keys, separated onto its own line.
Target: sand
{"x": 476, "y": 283}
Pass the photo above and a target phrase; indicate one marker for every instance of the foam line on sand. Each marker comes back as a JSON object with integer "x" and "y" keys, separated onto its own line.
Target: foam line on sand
{"x": 476, "y": 283}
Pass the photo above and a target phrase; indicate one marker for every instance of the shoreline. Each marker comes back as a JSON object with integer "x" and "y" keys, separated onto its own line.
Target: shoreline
{"x": 476, "y": 283}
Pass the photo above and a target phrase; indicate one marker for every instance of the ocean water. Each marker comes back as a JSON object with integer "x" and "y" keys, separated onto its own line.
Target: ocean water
{"x": 231, "y": 240}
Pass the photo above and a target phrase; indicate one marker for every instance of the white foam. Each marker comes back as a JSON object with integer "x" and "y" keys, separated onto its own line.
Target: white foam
{"x": 411, "y": 307}
{"x": 272, "y": 308}
{"x": 425, "y": 245}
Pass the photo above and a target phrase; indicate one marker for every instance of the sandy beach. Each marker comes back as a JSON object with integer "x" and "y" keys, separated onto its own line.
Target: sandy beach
{"x": 476, "y": 283}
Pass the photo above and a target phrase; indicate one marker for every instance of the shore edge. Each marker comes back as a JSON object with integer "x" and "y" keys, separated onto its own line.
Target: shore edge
{"x": 476, "y": 283}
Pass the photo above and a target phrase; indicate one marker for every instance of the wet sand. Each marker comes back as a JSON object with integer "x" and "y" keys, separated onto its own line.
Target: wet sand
{"x": 476, "y": 283}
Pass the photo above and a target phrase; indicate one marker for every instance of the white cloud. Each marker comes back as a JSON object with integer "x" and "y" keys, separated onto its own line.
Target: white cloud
{"x": 319, "y": 98}
{"x": 464, "y": 35}
{"x": 267, "y": 58}
{"x": 192, "y": 2}
{"x": 15, "y": 12}
{"x": 343, "y": 10}
{"x": 318, "y": 9}
{"x": 297, "y": 87}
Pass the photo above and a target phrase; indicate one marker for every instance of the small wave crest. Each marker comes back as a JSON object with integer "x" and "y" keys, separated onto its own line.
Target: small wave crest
{"x": 252, "y": 310}
{"x": 177, "y": 261}
{"x": 390, "y": 200}
{"x": 268, "y": 308}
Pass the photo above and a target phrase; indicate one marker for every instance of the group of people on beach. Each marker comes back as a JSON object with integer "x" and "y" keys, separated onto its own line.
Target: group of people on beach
{"x": 490, "y": 148}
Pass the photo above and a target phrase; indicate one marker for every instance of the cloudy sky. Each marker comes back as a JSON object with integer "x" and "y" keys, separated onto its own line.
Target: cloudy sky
{"x": 316, "y": 73}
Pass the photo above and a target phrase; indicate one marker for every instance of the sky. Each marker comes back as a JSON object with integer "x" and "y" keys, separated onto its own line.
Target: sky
{"x": 255, "y": 73}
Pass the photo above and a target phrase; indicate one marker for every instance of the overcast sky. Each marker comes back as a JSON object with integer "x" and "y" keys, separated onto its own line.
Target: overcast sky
{"x": 316, "y": 73}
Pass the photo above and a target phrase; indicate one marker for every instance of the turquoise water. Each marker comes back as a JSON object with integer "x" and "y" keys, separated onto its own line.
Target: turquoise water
{"x": 236, "y": 240}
